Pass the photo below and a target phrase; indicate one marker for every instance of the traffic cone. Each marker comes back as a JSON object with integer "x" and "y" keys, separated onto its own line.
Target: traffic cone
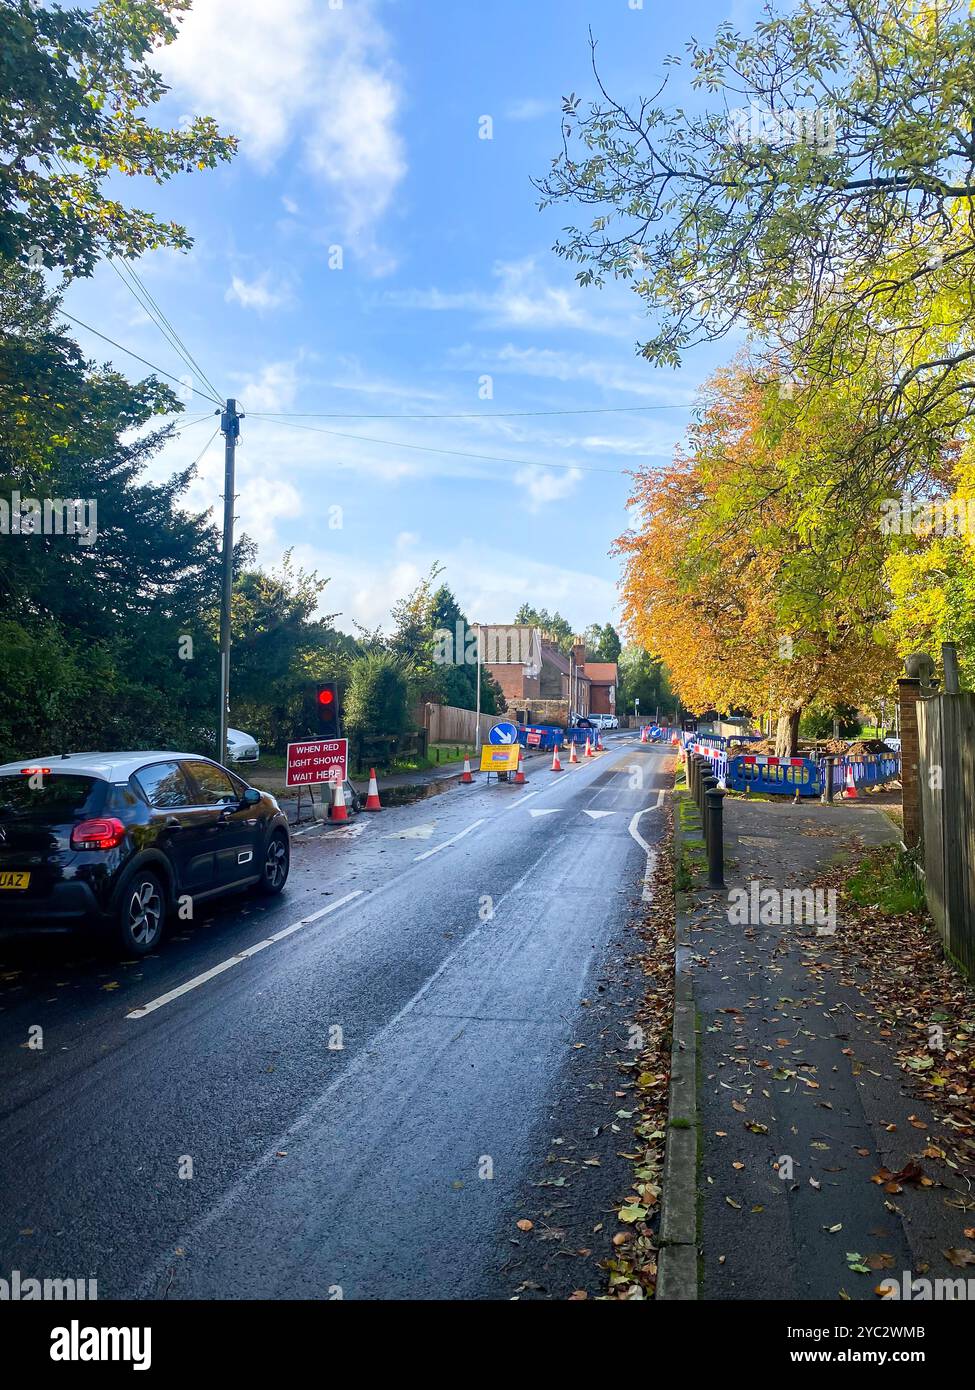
{"x": 674, "y": 740}
{"x": 588, "y": 749}
{"x": 556, "y": 765}
{"x": 573, "y": 756}
{"x": 337, "y": 811}
{"x": 466, "y": 774}
{"x": 520, "y": 778}
{"x": 850, "y": 790}
{"x": 643, "y": 734}
{"x": 599, "y": 742}
{"x": 372, "y": 795}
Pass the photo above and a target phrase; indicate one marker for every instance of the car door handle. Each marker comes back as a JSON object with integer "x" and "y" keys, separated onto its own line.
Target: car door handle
{"x": 173, "y": 823}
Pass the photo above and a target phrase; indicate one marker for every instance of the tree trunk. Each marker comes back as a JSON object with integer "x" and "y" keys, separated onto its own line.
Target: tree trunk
{"x": 787, "y": 734}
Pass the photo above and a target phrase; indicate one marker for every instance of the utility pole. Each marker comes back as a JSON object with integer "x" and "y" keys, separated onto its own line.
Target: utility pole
{"x": 230, "y": 420}
{"x": 477, "y": 707}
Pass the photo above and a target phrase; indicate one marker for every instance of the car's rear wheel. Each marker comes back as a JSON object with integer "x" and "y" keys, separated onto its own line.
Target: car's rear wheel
{"x": 277, "y": 863}
{"x": 141, "y": 913}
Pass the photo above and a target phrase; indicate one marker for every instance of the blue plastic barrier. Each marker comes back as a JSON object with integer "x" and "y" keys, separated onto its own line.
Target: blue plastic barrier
{"x": 749, "y": 772}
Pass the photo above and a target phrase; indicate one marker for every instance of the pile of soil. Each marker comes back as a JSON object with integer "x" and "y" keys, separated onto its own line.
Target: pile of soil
{"x": 869, "y": 747}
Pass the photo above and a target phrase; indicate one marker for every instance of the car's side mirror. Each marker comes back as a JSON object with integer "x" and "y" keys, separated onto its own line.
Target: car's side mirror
{"x": 251, "y": 797}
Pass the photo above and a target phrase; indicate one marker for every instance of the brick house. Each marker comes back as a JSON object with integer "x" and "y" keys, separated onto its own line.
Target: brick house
{"x": 513, "y": 657}
{"x": 603, "y": 677}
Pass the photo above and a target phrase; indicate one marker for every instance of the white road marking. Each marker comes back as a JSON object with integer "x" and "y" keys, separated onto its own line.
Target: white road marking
{"x": 597, "y": 815}
{"x": 198, "y": 980}
{"x": 414, "y": 832}
{"x": 528, "y": 795}
{"x": 651, "y": 853}
{"x": 549, "y": 811}
{"x": 452, "y": 841}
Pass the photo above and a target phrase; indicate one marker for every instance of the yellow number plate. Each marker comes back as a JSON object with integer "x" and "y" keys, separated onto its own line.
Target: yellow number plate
{"x": 11, "y": 880}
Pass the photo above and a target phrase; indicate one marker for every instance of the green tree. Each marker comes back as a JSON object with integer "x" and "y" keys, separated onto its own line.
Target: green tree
{"x": 280, "y": 644}
{"x": 376, "y": 696}
{"x": 120, "y": 629}
{"x": 77, "y": 84}
{"x": 552, "y": 625}
{"x": 821, "y": 197}
{"x": 602, "y": 643}
{"x": 642, "y": 677}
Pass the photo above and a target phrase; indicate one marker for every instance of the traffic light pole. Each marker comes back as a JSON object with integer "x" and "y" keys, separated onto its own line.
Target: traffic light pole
{"x": 230, "y": 425}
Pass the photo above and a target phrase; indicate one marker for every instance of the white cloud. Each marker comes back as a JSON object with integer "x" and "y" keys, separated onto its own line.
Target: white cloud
{"x": 272, "y": 389}
{"x": 543, "y": 485}
{"x": 490, "y": 584}
{"x": 613, "y": 374}
{"x": 299, "y": 73}
{"x": 530, "y": 108}
{"x": 522, "y": 299}
{"x": 257, "y": 293}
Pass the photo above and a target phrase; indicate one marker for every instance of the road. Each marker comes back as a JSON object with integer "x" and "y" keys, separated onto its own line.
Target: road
{"x": 359, "y": 1073}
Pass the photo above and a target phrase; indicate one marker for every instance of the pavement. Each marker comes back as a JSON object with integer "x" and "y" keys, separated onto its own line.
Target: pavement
{"x": 800, "y": 1098}
{"x": 352, "y": 1090}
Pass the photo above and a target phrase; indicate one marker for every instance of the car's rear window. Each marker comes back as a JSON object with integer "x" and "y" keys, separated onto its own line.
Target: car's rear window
{"x": 49, "y": 795}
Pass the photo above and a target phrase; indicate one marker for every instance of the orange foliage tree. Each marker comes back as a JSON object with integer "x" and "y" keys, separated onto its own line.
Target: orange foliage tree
{"x": 755, "y": 591}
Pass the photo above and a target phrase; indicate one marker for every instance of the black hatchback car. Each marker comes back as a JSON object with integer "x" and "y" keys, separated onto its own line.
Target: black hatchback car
{"x": 118, "y": 841}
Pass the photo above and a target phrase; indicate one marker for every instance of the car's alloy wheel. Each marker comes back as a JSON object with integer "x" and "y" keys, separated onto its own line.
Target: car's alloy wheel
{"x": 275, "y": 865}
{"x": 143, "y": 912}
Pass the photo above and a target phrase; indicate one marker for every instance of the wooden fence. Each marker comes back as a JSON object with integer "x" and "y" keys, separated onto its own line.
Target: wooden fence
{"x": 946, "y": 734}
{"x": 448, "y": 724}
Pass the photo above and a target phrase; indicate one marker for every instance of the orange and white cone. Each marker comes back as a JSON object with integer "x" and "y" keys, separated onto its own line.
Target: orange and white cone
{"x": 337, "y": 811}
{"x": 556, "y": 765}
{"x": 599, "y": 743}
{"x": 573, "y": 756}
{"x": 588, "y": 749}
{"x": 850, "y": 790}
{"x": 674, "y": 740}
{"x": 520, "y": 777}
{"x": 643, "y": 734}
{"x": 372, "y": 795}
{"x": 466, "y": 774}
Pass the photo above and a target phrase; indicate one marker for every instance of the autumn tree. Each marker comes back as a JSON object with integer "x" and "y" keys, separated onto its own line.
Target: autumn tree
{"x": 746, "y": 595}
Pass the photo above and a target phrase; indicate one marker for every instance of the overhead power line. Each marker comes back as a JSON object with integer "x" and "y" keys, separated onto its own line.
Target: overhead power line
{"x": 145, "y": 362}
{"x": 464, "y": 415}
{"x": 451, "y": 453}
{"x": 132, "y": 281}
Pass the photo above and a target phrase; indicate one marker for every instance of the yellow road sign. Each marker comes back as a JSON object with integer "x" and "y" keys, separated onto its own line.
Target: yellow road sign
{"x": 500, "y": 757}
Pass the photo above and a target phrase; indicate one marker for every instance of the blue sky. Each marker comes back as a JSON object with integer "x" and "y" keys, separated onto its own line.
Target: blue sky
{"x": 358, "y": 129}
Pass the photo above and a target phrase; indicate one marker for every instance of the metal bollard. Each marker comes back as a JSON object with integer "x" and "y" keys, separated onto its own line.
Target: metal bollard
{"x": 708, "y": 784}
{"x": 714, "y": 821}
{"x": 829, "y": 765}
{"x": 692, "y": 774}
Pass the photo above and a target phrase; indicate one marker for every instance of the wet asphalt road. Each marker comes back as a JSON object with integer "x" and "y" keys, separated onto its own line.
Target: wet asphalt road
{"x": 450, "y": 946}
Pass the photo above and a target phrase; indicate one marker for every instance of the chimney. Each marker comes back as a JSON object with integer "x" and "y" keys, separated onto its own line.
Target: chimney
{"x": 579, "y": 653}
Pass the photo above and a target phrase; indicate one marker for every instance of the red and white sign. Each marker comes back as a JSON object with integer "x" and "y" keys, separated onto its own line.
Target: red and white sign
{"x": 533, "y": 738}
{"x": 318, "y": 760}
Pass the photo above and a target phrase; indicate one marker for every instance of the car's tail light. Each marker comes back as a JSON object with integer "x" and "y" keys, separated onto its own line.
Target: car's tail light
{"x": 104, "y": 833}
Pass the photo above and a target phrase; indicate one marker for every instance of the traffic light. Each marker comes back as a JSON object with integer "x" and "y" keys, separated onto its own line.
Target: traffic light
{"x": 327, "y": 709}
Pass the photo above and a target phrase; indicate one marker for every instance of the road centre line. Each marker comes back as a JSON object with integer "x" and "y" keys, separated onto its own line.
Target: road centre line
{"x": 452, "y": 841}
{"x": 215, "y": 970}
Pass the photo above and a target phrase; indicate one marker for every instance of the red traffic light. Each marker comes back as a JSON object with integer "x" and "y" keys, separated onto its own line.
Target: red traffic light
{"x": 325, "y": 697}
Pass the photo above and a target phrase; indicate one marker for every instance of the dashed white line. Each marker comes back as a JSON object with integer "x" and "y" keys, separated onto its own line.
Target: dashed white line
{"x": 444, "y": 843}
{"x": 215, "y": 970}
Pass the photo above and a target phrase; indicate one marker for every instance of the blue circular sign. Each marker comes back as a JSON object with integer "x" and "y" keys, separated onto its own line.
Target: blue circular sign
{"x": 503, "y": 733}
